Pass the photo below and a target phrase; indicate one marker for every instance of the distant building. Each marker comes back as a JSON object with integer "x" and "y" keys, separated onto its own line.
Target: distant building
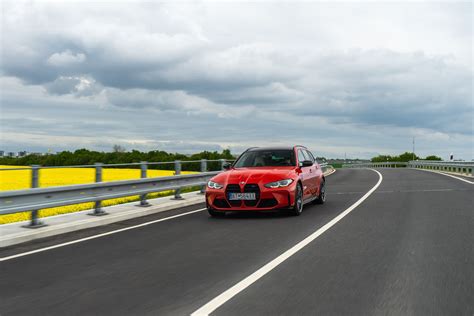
{"x": 11, "y": 154}
{"x": 22, "y": 153}
{"x": 2, "y": 153}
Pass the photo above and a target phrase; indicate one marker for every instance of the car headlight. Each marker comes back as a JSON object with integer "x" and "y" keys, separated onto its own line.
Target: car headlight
{"x": 279, "y": 184}
{"x": 214, "y": 185}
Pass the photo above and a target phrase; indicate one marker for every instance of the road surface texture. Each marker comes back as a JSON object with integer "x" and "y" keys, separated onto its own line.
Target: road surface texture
{"x": 405, "y": 250}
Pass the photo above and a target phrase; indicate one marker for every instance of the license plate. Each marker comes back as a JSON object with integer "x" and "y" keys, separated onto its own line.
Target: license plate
{"x": 241, "y": 196}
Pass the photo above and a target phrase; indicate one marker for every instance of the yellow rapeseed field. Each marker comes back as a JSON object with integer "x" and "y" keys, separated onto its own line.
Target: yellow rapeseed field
{"x": 21, "y": 179}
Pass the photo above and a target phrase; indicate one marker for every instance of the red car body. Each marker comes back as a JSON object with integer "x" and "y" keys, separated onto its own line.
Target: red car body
{"x": 276, "y": 178}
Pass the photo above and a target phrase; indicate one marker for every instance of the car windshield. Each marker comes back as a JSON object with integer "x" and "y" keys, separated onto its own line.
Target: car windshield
{"x": 266, "y": 158}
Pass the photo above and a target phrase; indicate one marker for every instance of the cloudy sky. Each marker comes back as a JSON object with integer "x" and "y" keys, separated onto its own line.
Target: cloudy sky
{"x": 360, "y": 78}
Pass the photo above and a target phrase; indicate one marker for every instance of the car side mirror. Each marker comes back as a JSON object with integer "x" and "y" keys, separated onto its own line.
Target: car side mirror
{"x": 226, "y": 166}
{"x": 307, "y": 163}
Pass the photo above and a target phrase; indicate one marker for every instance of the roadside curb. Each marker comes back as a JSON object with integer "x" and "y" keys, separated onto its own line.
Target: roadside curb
{"x": 457, "y": 176}
{"x": 449, "y": 172}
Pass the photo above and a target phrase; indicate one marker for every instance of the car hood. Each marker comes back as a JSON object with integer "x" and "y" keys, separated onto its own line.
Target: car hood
{"x": 255, "y": 175}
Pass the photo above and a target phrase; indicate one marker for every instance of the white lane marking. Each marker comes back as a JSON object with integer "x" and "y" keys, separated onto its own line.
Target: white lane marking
{"x": 414, "y": 191}
{"x": 97, "y": 236}
{"x": 398, "y": 191}
{"x": 445, "y": 174}
{"x": 240, "y": 286}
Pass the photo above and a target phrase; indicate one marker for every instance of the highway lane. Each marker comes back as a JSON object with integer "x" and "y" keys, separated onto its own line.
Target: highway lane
{"x": 406, "y": 250}
{"x": 171, "y": 267}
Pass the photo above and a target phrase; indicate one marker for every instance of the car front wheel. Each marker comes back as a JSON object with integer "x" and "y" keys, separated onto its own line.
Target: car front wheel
{"x": 298, "y": 207}
{"x": 322, "y": 194}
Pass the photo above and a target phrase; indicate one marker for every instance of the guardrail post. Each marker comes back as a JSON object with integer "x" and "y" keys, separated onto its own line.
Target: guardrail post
{"x": 98, "y": 211}
{"x": 35, "y": 222}
{"x": 203, "y": 169}
{"x": 143, "y": 175}
{"x": 177, "y": 172}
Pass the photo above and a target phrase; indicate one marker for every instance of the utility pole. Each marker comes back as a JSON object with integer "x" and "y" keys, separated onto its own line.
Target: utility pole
{"x": 413, "y": 156}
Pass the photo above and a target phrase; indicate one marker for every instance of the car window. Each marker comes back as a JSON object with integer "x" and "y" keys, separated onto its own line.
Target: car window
{"x": 306, "y": 156}
{"x": 310, "y": 156}
{"x": 302, "y": 156}
{"x": 266, "y": 158}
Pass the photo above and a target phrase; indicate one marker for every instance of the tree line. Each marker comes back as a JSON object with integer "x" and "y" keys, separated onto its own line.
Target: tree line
{"x": 119, "y": 156}
{"x": 405, "y": 157}
{"x": 89, "y": 157}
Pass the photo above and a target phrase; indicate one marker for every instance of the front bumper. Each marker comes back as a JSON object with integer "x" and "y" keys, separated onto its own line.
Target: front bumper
{"x": 269, "y": 199}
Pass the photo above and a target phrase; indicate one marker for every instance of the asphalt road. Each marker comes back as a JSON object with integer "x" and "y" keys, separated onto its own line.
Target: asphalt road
{"x": 406, "y": 250}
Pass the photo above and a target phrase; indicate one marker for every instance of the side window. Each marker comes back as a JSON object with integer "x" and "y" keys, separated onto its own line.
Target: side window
{"x": 301, "y": 157}
{"x": 310, "y": 155}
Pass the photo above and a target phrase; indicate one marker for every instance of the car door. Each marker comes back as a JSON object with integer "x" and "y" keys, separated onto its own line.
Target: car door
{"x": 306, "y": 175}
{"x": 315, "y": 172}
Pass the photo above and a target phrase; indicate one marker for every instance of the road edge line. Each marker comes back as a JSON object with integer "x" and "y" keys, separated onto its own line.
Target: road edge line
{"x": 97, "y": 236}
{"x": 222, "y": 298}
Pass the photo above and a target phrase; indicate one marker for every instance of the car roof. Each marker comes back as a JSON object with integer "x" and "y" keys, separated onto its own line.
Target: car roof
{"x": 274, "y": 148}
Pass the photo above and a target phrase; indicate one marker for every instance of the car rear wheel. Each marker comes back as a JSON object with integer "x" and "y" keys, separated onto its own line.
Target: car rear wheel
{"x": 322, "y": 194}
{"x": 298, "y": 207}
{"x": 215, "y": 213}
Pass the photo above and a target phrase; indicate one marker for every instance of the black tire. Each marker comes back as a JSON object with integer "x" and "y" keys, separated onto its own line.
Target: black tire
{"x": 215, "y": 213}
{"x": 298, "y": 207}
{"x": 322, "y": 194}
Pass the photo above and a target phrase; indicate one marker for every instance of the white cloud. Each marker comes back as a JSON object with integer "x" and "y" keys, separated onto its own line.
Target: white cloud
{"x": 66, "y": 58}
{"x": 75, "y": 85}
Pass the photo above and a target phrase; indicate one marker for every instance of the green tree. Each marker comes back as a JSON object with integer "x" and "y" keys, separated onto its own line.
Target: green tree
{"x": 382, "y": 158}
{"x": 433, "y": 157}
{"x": 87, "y": 157}
{"x": 407, "y": 156}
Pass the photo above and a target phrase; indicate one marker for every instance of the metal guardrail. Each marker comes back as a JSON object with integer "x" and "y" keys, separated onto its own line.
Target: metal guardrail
{"x": 34, "y": 199}
{"x": 24, "y": 200}
{"x": 325, "y": 167}
{"x": 388, "y": 164}
{"x": 461, "y": 167}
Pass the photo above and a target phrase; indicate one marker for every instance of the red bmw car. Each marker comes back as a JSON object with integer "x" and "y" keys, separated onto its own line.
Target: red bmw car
{"x": 263, "y": 179}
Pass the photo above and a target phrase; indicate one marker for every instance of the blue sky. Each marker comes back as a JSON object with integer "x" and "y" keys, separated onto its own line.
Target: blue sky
{"x": 354, "y": 78}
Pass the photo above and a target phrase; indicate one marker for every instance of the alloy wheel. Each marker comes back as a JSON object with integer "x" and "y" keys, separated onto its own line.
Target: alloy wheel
{"x": 322, "y": 194}
{"x": 299, "y": 199}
